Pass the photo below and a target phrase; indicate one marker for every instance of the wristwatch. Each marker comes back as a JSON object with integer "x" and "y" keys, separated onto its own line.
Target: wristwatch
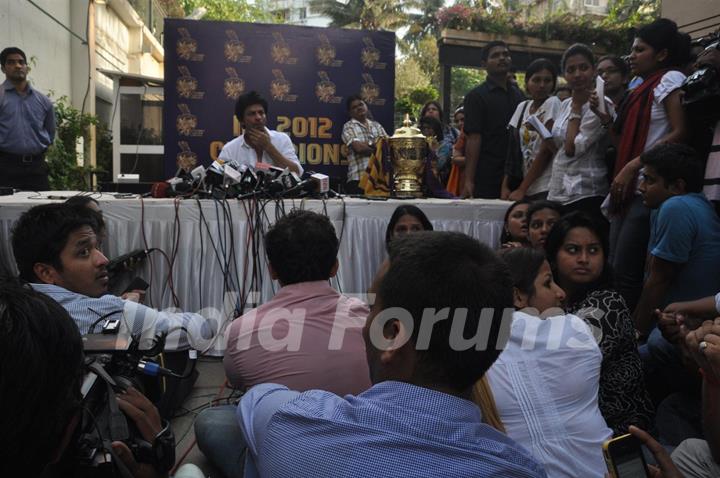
{"x": 574, "y": 116}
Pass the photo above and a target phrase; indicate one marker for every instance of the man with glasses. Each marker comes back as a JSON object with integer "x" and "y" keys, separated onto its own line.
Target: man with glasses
{"x": 27, "y": 126}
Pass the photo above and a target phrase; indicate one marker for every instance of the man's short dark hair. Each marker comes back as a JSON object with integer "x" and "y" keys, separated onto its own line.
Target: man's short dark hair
{"x": 485, "y": 53}
{"x": 676, "y": 161}
{"x": 351, "y": 99}
{"x": 41, "y": 364}
{"x": 247, "y": 100}
{"x": 302, "y": 247}
{"x": 439, "y": 270}
{"x": 12, "y": 50}
{"x": 42, "y": 232}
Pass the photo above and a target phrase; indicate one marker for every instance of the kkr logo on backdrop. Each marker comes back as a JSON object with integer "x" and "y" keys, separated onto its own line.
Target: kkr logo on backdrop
{"x": 280, "y": 51}
{"x": 370, "y": 56}
{"x": 370, "y": 91}
{"x": 233, "y": 85}
{"x": 186, "y": 122}
{"x": 186, "y": 46}
{"x": 325, "y": 89}
{"x": 325, "y": 53}
{"x": 187, "y": 85}
{"x": 280, "y": 88}
{"x": 235, "y": 49}
{"x": 185, "y": 159}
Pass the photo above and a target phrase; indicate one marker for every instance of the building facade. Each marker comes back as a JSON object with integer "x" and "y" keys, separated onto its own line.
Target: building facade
{"x": 298, "y": 12}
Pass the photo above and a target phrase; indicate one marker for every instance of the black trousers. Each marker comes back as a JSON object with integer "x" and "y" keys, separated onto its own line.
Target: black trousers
{"x": 28, "y": 173}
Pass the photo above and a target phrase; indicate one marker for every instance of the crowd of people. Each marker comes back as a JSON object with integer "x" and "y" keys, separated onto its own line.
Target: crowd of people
{"x": 594, "y": 317}
{"x": 390, "y": 386}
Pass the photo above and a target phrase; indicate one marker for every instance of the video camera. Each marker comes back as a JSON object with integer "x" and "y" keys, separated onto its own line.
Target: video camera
{"x": 114, "y": 363}
{"x": 702, "y": 88}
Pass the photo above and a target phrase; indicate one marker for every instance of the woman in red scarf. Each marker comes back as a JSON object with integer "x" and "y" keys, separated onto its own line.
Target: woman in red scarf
{"x": 651, "y": 114}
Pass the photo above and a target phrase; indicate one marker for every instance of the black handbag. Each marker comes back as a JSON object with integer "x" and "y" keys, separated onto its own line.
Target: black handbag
{"x": 514, "y": 157}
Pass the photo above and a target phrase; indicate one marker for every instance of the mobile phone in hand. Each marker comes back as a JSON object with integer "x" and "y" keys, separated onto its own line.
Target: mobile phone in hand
{"x": 624, "y": 457}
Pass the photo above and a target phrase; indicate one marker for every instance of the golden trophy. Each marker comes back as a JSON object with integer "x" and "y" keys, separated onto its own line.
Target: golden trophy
{"x": 408, "y": 153}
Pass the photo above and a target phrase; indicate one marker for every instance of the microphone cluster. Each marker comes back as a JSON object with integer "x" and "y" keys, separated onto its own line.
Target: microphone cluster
{"x": 229, "y": 180}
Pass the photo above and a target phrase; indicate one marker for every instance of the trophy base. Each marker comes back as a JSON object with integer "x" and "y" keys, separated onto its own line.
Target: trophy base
{"x": 408, "y": 189}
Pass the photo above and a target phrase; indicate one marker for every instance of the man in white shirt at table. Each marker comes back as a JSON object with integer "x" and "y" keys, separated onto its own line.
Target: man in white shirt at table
{"x": 258, "y": 143}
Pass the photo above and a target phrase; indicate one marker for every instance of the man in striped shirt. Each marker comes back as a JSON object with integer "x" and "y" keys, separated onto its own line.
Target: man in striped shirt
{"x": 360, "y": 135}
{"x": 57, "y": 251}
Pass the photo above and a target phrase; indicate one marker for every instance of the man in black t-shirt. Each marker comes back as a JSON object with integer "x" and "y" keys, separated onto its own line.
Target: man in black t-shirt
{"x": 488, "y": 109}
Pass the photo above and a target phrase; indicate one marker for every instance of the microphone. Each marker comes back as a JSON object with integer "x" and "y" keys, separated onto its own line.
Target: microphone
{"x": 316, "y": 184}
{"x": 232, "y": 172}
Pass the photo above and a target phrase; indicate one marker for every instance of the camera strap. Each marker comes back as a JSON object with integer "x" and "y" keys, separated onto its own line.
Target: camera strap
{"x": 118, "y": 426}
{"x": 118, "y": 422}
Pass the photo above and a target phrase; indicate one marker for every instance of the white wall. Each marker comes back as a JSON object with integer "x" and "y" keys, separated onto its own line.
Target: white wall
{"x": 43, "y": 41}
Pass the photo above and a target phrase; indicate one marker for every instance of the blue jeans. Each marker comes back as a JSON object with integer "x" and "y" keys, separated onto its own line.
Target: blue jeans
{"x": 629, "y": 236}
{"x": 220, "y": 439}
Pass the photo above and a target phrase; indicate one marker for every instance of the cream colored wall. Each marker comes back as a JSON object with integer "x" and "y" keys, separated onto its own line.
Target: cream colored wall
{"x": 123, "y": 44}
{"x": 685, "y": 12}
{"x": 46, "y": 43}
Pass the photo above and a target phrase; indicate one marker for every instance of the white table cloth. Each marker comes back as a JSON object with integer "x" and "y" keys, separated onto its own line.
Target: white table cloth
{"x": 198, "y": 278}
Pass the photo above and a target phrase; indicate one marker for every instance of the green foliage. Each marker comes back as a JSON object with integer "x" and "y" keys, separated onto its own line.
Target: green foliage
{"x": 608, "y": 34}
{"x": 409, "y": 75}
{"x": 228, "y": 10}
{"x": 427, "y": 55}
{"x": 65, "y": 174}
{"x": 632, "y": 13}
{"x": 104, "y": 154}
{"x": 364, "y": 14}
{"x": 424, "y": 23}
{"x": 412, "y": 102}
{"x": 464, "y": 80}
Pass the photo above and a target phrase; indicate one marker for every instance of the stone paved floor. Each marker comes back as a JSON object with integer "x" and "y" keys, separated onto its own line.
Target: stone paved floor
{"x": 207, "y": 386}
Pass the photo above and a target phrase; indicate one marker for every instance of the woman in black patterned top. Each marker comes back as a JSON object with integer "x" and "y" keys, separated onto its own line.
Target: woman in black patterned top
{"x": 577, "y": 251}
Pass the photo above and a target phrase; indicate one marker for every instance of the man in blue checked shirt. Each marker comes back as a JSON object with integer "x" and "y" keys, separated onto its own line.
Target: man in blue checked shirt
{"x": 57, "y": 251}
{"x": 27, "y": 126}
{"x": 417, "y": 419}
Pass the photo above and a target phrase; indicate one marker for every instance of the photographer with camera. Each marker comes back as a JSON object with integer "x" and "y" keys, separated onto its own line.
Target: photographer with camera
{"x": 41, "y": 374}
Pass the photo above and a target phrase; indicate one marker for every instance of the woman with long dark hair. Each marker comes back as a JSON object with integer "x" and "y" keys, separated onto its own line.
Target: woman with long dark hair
{"x": 651, "y": 114}
{"x": 515, "y": 226}
{"x": 577, "y": 251}
{"x": 431, "y": 112}
{"x": 405, "y": 219}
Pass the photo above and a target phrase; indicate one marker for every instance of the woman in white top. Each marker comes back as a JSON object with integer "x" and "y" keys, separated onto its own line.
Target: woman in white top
{"x": 540, "y": 81}
{"x": 579, "y": 172}
{"x": 651, "y": 114}
{"x": 545, "y": 382}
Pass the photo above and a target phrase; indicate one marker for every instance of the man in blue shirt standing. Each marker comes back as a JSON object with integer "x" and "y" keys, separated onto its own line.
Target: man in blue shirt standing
{"x": 27, "y": 126}
{"x": 431, "y": 334}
